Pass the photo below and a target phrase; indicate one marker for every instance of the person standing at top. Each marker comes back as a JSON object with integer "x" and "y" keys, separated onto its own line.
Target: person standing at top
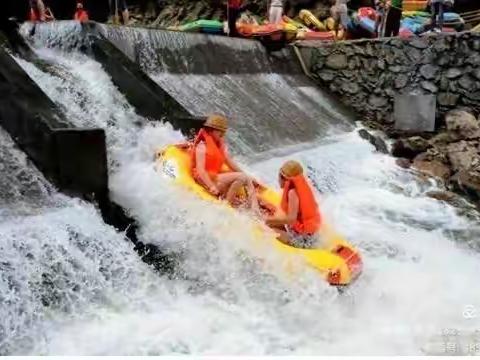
{"x": 339, "y": 13}
{"x": 234, "y": 8}
{"x": 39, "y": 12}
{"x": 299, "y": 222}
{"x": 115, "y": 7}
{"x": 438, "y": 9}
{"x": 81, "y": 14}
{"x": 275, "y": 11}
{"x": 394, "y": 17}
{"x": 380, "y": 18}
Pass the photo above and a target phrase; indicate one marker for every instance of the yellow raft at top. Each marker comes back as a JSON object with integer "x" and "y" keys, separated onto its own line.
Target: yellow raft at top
{"x": 310, "y": 20}
{"x": 338, "y": 262}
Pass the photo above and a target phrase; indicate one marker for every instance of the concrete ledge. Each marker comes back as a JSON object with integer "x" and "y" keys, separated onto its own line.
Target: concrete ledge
{"x": 149, "y": 99}
{"x": 82, "y": 160}
{"x": 369, "y": 74}
{"x": 74, "y": 159}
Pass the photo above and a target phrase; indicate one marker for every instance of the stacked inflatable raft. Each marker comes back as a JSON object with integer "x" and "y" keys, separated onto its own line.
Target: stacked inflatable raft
{"x": 309, "y": 28}
{"x": 204, "y": 26}
{"x": 414, "y": 22}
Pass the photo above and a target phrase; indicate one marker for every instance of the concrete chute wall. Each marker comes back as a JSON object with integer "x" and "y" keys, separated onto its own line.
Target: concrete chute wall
{"x": 270, "y": 101}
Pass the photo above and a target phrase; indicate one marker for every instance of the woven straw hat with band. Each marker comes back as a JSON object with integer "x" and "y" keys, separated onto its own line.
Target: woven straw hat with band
{"x": 217, "y": 122}
{"x": 291, "y": 169}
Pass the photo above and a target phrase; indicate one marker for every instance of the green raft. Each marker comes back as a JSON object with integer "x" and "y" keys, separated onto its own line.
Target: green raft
{"x": 205, "y": 26}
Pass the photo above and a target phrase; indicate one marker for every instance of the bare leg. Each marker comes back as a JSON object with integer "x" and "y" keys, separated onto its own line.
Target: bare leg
{"x": 230, "y": 183}
{"x": 233, "y": 191}
{"x": 440, "y": 16}
{"x": 252, "y": 197}
{"x": 283, "y": 236}
{"x": 126, "y": 17}
{"x": 225, "y": 180}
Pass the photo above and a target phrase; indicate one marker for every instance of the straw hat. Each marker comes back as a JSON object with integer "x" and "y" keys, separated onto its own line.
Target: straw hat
{"x": 291, "y": 169}
{"x": 217, "y": 122}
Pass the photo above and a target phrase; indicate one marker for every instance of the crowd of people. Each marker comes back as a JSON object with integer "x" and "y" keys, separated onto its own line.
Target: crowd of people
{"x": 389, "y": 13}
{"x": 388, "y": 20}
{"x": 40, "y": 11}
{"x": 236, "y": 7}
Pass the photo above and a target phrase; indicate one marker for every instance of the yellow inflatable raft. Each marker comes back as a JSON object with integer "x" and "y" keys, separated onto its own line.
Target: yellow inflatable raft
{"x": 337, "y": 261}
{"x": 310, "y": 20}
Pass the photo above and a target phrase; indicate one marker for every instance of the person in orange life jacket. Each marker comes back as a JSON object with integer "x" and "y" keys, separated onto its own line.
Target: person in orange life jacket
{"x": 300, "y": 221}
{"x": 81, "y": 14}
{"x": 39, "y": 12}
{"x": 209, "y": 154}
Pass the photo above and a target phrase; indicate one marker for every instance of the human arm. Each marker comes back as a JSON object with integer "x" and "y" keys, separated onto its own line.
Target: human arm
{"x": 231, "y": 163}
{"x": 48, "y": 14}
{"x": 41, "y": 10}
{"x": 200, "y": 154}
{"x": 290, "y": 217}
{"x": 234, "y": 167}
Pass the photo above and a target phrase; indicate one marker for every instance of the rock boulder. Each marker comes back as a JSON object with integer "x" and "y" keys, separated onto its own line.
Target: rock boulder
{"x": 410, "y": 147}
{"x": 463, "y": 124}
{"x": 433, "y": 168}
{"x": 463, "y": 155}
{"x": 376, "y": 141}
{"x": 403, "y": 163}
{"x": 440, "y": 195}
{"x": 468, "y": 182}
{"x": 337, "y": 61}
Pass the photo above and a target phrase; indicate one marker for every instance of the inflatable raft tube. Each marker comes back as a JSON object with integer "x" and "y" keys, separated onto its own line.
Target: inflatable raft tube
{"x": 205, "y": 26}
{"x": 252, "y": 30}
{"x": 290, "y": 30}
{"x": 338, "y": 262}
{"x": 297, "y": 24}
{"x": 275, "y": 32}
{"x": 310, "y": 20}
{"x": 416, "y": 14}
{"x": 317, "y": 35}
{"x": 414, "y": 5}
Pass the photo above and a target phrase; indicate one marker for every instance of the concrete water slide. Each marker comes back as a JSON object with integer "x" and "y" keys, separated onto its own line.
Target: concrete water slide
{"x": 148, "y": 98}
{"x": 270, "y": 101}
{"x": 165, "y": 76}
{"x": 73, "y": 159}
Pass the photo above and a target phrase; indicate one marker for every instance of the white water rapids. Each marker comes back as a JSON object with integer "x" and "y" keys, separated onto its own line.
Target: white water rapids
{"x": 71, "y": 285}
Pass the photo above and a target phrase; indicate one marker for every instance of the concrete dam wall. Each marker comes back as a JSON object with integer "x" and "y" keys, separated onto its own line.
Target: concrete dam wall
{"x": 366, "y": 75}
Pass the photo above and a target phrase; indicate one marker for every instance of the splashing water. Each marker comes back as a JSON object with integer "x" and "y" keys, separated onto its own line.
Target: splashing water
{"x": 228, "y": 295}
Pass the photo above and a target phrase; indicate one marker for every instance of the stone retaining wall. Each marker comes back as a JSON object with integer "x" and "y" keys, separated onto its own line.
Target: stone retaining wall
{"x": 367, "y": 74}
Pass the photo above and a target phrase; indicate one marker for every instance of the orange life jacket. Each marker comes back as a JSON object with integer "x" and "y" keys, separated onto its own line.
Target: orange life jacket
{"x": 309, "y": 219}
{"x": 81, "y": 15}
{"x": 215, "y": 153}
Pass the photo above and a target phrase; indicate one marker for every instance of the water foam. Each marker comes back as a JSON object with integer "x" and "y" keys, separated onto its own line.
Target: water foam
{"x": 229, "y": 296}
